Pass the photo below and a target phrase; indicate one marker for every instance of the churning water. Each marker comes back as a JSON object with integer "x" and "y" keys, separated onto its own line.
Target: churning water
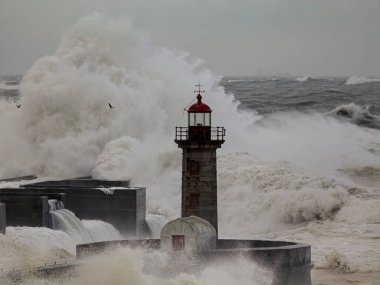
{"x": 301, "y": 160}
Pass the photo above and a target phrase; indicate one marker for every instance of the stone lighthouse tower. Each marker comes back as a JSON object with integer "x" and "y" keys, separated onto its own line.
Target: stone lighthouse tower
{"x": 199, "y": 142}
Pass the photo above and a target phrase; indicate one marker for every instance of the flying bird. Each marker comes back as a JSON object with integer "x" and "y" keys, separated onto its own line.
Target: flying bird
{"x": 18, "y": 106}
{"x": 111, "y": 107}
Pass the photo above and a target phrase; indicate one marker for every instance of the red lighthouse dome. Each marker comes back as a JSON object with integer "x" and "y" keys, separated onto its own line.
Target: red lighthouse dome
{"x": 199, "y": 107}
{"x": 199, "y": 130}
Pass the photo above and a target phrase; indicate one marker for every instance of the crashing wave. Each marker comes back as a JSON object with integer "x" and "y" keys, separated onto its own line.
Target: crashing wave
{"x": 274, "y": 195}
{"x": 360, "y": 80}
{"x": 303, "y": 78}
{"x": 359, "y": 115}
{"x": 338, "y": 262}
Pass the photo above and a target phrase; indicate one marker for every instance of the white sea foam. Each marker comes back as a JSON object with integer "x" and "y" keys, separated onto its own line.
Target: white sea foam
{"x": 360, "y": 80}
{"x": 27, "y": 247}
{"x": 101, "y": 231}
{"x": 235, "y": 80}
{"x": 127, "y": 266}
{"x": 303, "y": 78}
{"x": 155, "y": 223}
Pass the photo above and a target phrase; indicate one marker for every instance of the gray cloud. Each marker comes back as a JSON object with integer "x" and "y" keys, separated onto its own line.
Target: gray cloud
{"x": 303, "y": 37}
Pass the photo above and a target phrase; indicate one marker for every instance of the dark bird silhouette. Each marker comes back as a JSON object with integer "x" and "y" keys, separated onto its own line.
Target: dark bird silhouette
{"x": 18, "y": 106}
{"x": 111, "y": 107}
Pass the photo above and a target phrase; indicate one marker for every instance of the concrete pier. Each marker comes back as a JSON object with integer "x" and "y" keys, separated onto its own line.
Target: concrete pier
{"x": 28, "y": 210}
{"x": 84, "y": 182}
{"x": 91, "y": 199}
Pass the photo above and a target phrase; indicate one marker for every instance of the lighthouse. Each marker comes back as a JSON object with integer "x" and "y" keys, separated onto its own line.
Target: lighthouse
{"x": 199, "y": 141}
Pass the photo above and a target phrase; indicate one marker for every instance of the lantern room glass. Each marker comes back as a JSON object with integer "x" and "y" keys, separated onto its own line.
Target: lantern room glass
{"x": 199, "y": 119}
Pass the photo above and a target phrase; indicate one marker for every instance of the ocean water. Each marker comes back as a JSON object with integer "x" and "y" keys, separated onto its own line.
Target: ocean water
{"x": 301, "y": 161}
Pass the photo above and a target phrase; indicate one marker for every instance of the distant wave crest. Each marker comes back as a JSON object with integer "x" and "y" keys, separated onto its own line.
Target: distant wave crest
{"x": 303, "y": 78}
{"x": 235, "y": 80}
{"x": 360, "y": 80}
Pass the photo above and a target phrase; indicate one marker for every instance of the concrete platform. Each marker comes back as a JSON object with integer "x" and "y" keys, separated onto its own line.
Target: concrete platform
{"x": 29, "y": 209}
{"x": 83, "y": 182}
{"x": 110, "y": 201}
{"x": 289, "y": 262}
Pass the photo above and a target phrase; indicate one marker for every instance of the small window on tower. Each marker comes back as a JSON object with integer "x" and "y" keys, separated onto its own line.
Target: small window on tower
{"x": 193, "y": 167}
{"x": 194, "y": 201}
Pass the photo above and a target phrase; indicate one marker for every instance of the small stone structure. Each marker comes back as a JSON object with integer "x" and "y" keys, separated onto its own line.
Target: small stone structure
{"x": 188, "y": 234}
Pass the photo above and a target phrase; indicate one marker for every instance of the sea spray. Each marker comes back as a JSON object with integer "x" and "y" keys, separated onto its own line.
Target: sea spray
{"x": 28, "y": 247}
{"x": 101, "y": 231}
{"x": 83, "y": 231}
{"x": 104, "y": 62}
{"x": 66, "y": 221}
{"x": 121, "y": 266}
{"x": 65, "y": 127}
{"x": 155, "y": 224}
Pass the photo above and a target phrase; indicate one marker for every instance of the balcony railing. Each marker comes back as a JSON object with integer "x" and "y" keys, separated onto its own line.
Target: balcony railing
{"x": 207, "y": 133}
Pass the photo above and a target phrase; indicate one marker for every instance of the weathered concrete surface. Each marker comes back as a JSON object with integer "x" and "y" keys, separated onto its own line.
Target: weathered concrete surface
{"x": 290, "y": 262}
{"x": 27, "y": 210}
{"x": 22, "y": 211}
{"x": 85, "y": 182}
{"x": 22, "y": 193}
{"x": 3, "y": 217}
{"x": 20, "y": 178}
{"x": 83, "y": 250}
{"x": 124, "y": 208}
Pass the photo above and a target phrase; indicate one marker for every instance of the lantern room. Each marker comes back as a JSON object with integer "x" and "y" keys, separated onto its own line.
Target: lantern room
{"x": 199, "y": 114}
{"x": 199, "y": 128}
{"x": 199, "y": 121}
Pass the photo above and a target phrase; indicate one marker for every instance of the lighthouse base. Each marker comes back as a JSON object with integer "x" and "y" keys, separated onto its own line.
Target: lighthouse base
{"x": 288, "y": 263}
